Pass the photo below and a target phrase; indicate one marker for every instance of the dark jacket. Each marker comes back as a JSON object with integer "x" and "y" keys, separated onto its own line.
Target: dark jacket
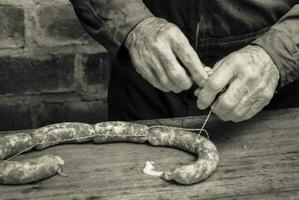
{"x": 203, "y": 22}
{"x": 215, "y": 28}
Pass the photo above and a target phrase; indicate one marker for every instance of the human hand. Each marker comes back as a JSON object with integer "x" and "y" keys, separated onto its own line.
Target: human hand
{"x": 251, "y": 78}
{"x": 155, "y": 46}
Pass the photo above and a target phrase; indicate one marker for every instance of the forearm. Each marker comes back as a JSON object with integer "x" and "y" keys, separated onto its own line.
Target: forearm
{"x": 110, "y": 21}
{"x": 282, "y": 44}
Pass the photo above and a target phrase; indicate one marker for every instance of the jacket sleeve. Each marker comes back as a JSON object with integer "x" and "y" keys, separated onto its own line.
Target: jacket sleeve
{"x": 110, "y": 21}
{"x": 282, "y": 44}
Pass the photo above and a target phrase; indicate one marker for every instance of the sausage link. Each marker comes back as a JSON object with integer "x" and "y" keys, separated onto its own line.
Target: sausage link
{"x": 20, "y": 172}
{"x": 13, "y": 144}
{"x": 203, "y": 167}
{"x": 120, "y": 132}
{"x": 69, "y": 132}
{"x": 28, "y": 171}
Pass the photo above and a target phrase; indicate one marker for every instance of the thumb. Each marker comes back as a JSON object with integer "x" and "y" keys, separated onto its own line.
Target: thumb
{"x": 191, "y": 61}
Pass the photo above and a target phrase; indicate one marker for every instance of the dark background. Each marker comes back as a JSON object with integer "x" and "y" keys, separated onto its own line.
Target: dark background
{"x": 50, "y": 69}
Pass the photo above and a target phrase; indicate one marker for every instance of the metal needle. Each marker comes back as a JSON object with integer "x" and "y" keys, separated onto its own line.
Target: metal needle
{"x": 206, "y": 120}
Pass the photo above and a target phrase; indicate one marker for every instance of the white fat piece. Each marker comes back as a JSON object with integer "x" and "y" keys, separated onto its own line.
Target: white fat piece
{"x": 149, "y": 169}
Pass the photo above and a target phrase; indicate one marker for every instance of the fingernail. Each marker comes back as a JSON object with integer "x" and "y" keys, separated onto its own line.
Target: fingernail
{"x": 200, "y": 106}
{"x": 177, "y": 91}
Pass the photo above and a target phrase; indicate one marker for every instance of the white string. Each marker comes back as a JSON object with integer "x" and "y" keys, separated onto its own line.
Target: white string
{"x": 185, "y": 129}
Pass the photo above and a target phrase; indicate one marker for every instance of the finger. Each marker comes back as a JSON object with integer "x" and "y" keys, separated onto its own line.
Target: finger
{"x": 255, "y": 108}
{"x": 174, "y": 70}
{"x": 146, "y": 73}
{"x": 251, "y": 104}
{"x": 160, "y": 74}
{"x": 218, "y": 64}
{"x": 230, "y": 99}
{"x": 263, "y": 100}
{"x": 197, "y": 91}
{"x": 239, "y": 112}
{"x": 151, "y": 78}
{"x": 215, "y": 84}
{"x": 165, "y": 82}
{"x": 209, "y": 71}
{"x": 189, "y": 58}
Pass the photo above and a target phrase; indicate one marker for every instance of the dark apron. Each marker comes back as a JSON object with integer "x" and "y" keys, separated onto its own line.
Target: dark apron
{"x": 215, "y": 29}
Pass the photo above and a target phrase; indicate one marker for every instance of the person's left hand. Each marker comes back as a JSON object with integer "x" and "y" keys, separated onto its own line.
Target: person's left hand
{"x": 251, "y": 78}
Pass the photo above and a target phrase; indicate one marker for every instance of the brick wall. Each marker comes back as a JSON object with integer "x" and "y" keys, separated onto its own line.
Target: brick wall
{"x": 50, "y": 69}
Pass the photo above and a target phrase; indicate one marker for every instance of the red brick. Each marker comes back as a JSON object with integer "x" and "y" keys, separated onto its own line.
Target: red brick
{"x": 36, "y": 74}
{"x": 12, "y": 26}
{"x": 74, "y": 111}
{"x": 56, "y": 24}
{"x": 34, "y": 112}
{"x": 97, "y": 68}
{"x": 15, "y": 116}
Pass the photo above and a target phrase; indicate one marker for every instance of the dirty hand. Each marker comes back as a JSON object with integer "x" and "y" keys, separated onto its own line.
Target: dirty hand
{"x": 251, "y": 78}
{"x": 155, "y": 46}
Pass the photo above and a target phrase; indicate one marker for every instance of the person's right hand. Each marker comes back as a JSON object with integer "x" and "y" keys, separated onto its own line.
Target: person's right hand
{"x": 155, "y": 46}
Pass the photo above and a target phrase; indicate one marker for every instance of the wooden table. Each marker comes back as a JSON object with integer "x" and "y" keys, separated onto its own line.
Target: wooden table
{"x": 259, "y": 160}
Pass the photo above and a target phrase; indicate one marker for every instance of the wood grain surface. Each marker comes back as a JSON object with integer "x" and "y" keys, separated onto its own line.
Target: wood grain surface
{"x": 259, "y": 159}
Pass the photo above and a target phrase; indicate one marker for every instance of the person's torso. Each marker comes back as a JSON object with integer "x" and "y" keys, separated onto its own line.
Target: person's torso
{"x": 220, "y": 25}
